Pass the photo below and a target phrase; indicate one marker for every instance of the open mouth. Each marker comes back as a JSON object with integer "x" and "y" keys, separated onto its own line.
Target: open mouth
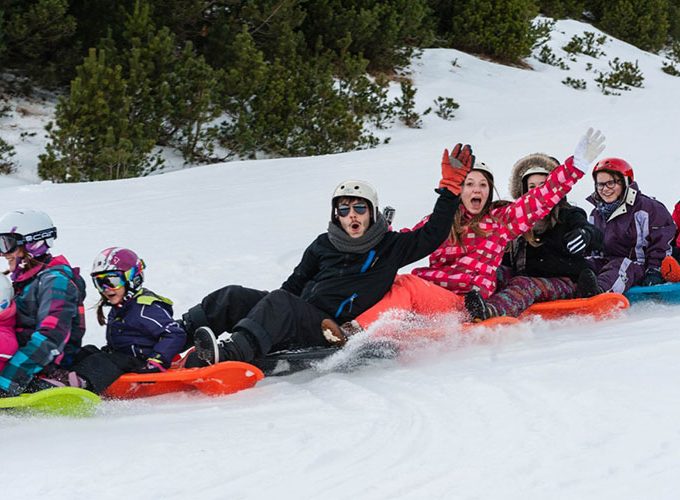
{"x": 355, "y": 226}
{"x": 476, "y": 202}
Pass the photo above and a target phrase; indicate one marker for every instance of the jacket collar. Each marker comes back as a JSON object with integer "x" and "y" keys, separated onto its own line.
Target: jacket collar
{"x": 629, "y": 198}
{"x": 46, "y": 262}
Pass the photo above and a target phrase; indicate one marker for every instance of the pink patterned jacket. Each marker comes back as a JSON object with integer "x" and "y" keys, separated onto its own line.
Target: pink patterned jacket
{"x": 8, "y": 339}
{"x": 473, "y": 262}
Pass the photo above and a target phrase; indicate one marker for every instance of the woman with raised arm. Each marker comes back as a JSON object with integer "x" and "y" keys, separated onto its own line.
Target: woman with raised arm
{"x": 469, "y": 257}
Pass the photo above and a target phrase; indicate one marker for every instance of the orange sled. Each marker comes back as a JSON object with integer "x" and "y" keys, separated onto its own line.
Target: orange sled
{"x": 600, "y": 306}
{"x": 215, "y": 380}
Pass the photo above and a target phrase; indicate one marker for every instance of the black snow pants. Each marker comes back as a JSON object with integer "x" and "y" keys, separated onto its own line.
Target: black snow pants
{"x": 275, "y": 320}
{"x": 101, "y": 368}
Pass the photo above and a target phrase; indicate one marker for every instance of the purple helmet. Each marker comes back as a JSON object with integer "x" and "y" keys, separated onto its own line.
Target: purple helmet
{"x": 123, "y": 261}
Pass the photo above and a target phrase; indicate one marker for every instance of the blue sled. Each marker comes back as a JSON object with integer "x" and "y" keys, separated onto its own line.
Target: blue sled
{"x": 668, "y": 293}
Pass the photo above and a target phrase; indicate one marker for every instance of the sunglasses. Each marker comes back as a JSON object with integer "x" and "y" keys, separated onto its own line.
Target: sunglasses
{"x": 609, "y": 184}
{"x": 109, "y": 281}
{"x": 360, "y": 208}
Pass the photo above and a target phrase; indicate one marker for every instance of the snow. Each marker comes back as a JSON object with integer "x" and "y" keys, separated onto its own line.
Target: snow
{"x": 566, "y": 409}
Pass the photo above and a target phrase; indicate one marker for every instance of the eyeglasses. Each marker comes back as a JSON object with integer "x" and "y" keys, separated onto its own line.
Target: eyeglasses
{"x": 9, "y": 242}
{"x": 609, "y": 184}
{"x": 111, "y": 280}
{"x": 360, "y": 208}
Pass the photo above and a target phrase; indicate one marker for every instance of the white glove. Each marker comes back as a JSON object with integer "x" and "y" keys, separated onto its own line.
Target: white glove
{"x": 588, "y": 148}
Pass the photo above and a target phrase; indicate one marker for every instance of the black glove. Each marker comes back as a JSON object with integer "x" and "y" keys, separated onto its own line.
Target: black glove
{"x": 652, "y": 277}
{"x": 153, "y": 365}
{"x": 577, "y": 241}
{"x": 388, "y": 212}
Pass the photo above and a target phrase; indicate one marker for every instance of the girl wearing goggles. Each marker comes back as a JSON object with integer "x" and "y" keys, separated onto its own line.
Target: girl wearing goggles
{"x": 43, "y": 283}
{"x": 141, "y": 335}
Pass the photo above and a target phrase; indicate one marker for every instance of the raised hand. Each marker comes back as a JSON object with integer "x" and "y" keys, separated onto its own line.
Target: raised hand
{"x": 388, "y": 212}
{"x": 588, "y": 148}
{"x": 456, "y": 166}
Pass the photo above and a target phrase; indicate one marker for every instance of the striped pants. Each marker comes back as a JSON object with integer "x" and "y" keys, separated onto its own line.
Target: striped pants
{"x": 523, "y": 291}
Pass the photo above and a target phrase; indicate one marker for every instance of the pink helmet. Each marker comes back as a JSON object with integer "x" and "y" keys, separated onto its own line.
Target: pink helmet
{"x": 123, "y": 261}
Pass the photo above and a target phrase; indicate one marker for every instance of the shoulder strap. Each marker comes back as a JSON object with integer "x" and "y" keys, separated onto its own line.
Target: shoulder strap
{"x": 147, "y": 297}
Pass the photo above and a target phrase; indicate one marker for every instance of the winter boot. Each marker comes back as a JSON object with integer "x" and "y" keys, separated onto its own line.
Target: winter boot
{"x": 338, "y": 335}
{"x": 207, "y": 347}
{"x": 587, "y": 286}
{"x": 238, "y": 346}
{"x": 670, "y": 269}
{"x": 477, "y": 308}
{"x": 56, "y": 377}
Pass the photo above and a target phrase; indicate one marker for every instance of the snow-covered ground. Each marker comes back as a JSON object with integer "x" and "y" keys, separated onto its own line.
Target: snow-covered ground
{"x": 569, "y": 409}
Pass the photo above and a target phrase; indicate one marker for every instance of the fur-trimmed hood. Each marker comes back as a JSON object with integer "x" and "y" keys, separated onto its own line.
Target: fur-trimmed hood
{"x": 523, "y": 164}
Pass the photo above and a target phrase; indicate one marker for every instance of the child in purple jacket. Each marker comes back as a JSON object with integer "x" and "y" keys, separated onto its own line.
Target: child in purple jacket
{"x": 141, "y": 335}
{"x": 637, "y": 229}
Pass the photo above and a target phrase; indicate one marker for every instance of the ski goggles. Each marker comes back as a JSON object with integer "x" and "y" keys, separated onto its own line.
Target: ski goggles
{"x": 360, "y": 208}
{"x": 10, "y": 241}
{"x": 109, "y": 281}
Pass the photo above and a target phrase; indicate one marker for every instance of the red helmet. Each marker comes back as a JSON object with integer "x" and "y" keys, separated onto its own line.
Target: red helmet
{"x": 616, "y": 165}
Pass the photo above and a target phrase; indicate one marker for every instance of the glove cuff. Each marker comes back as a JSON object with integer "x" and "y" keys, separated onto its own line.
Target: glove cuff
{"x": 453, "y": 187}
{"x": 156, "y": 363}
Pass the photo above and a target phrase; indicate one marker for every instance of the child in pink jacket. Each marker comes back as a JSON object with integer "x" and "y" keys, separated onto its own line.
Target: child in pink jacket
{"x": 8, "y": 339}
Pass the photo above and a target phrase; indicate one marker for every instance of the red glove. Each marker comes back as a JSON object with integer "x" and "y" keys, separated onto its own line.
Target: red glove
{"x": 455, "y": 167}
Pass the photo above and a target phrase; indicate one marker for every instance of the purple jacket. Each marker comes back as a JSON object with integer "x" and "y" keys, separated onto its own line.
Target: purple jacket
{"x": 143, "y": 327}
{"x": 640, "y": 229}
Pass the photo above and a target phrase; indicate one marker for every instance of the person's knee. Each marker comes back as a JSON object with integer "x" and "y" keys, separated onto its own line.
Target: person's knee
{"x": 194, "y": 318}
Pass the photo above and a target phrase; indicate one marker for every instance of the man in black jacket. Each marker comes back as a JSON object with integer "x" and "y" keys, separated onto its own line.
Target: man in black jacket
{"x": 342, "y": 273}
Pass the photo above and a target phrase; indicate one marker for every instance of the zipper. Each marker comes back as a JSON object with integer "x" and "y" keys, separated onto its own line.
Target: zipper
{"x": 349, "y": 300}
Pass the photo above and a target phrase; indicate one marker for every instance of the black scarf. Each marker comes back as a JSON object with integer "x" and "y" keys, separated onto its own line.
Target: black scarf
{"x": 345, "y": 243}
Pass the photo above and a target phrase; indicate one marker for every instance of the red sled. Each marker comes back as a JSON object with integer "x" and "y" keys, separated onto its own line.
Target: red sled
{"x": 215, "y": 380}
{"x": 602, "y": 306}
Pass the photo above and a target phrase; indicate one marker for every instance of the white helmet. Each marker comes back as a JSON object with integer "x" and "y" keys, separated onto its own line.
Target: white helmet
{"x": 357, "y": 189}
{"x": 480, "y": 165}
{"x": 32, "y": 229}
{"x": 536, "y": 170}
{"x": 6, "y": 292}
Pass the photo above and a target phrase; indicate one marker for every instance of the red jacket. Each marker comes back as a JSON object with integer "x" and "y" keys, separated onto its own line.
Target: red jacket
{"x": 473, "y": 262}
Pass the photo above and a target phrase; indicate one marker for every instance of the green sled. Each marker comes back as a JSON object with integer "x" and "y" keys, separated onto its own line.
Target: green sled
{"x": 62, "y": 401}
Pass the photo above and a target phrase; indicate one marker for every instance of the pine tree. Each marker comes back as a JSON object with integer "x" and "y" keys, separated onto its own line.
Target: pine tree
{"x": 644, "y": 24}
{"x": 674, "y": 19}
{"x": 39, "y": 39}
{"x": 385, "y": 32}
{"x": 288, "y": 106}
{"x": 560, "y": 9}
{"x": 95, "y": 137}
{"x": 497, "y": 28}
{"x": 194, "y": 103}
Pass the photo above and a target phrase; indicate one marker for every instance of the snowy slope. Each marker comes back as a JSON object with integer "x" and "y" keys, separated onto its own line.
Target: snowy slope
{"x": 545, "y": 410}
